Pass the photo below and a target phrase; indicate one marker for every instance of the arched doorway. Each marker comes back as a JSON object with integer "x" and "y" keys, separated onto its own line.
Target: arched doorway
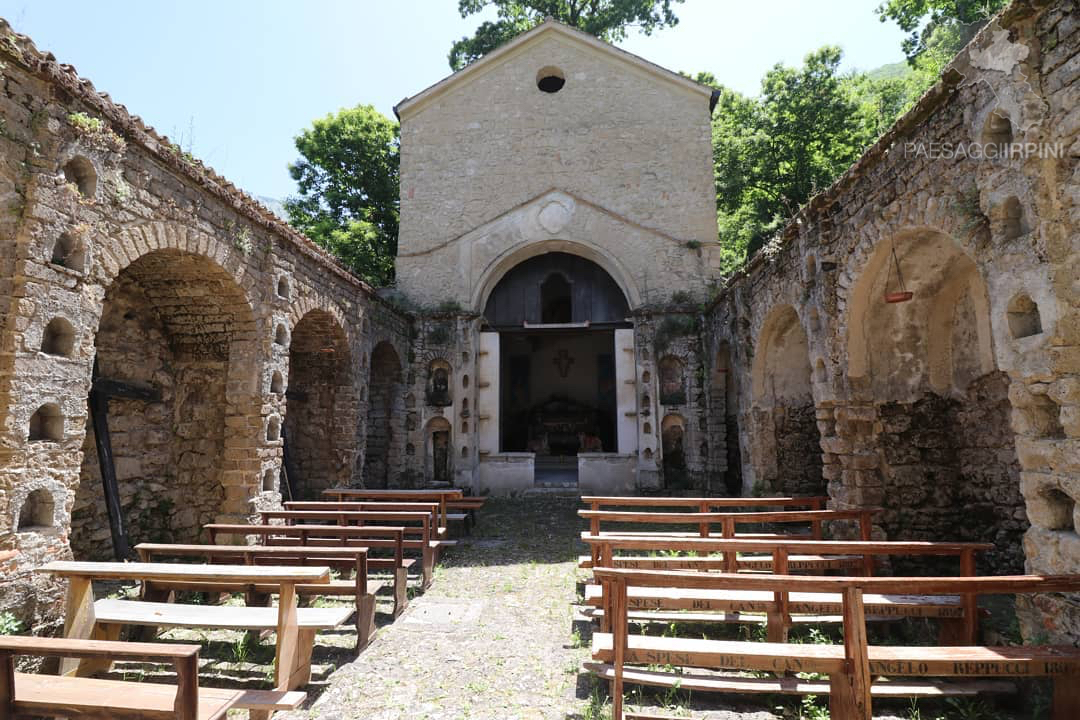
{"x": 786, "y": 436}
{"x": 385, "y": 403}
{"x": 321, "y": 408}
{"x": 557, "y": 316}
{"x": 174, "y": 337}
{"x": 941, "y": 441}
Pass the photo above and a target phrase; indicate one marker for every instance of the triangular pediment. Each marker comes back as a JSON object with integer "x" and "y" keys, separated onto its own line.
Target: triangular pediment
{"x": 547, "y": 29}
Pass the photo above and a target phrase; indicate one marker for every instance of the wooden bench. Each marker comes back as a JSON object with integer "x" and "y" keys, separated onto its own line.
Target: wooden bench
{"x": 421, "y": 536}
{"x": 296, "y": 627}
{"x": 705, "y": 504}
{"x": 439, "y": 497}
{"x": 778, "y": 556}
{"x": 438, "y": 525}
{"x": 351, "y": 559}
{"x": 23, "y": 694}
{"x": 855, "y": 668}
{"x": 727, "y": 522}
{"x": 469, "y": 504}
{"x": 385, "y": 538}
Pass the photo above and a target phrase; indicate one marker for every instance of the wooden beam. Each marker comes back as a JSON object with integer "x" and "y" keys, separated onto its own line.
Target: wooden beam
{"x": 125, "y": 389}
{"x": 99, "y": 414}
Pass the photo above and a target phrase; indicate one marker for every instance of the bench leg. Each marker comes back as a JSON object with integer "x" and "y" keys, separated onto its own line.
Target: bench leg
{"x": 776, "y": 629}
{"x": 79, "y": 618}
{"x": 843, "y": 701}
{"x": 365, "y": 620}
{"x": 1066, "y": 699}
{"x": 428, "y": 561}
{"x": 91, "y": 666}
{"x": 301, "y": 670}
{"x": 401, "y": 590}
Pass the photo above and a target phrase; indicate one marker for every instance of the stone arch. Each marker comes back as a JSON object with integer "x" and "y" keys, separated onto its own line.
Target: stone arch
{"x": 495, "y": 271}
{"x": 930, "y": 422}
{"x": 941, "y": 275}
{"x": 439, "y": 391}
{"x": 177, "y": 326}
{"x": 322, "y": 411}
{"x": 385, "y": 407}
{"x": 438, "y": 451}
{"x": 785, "y": 433}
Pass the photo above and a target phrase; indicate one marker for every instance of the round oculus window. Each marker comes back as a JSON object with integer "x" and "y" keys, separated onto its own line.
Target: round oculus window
{"x": 550, "y": 80}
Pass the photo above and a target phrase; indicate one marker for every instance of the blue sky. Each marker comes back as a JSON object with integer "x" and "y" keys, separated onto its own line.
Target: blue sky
{"x": 235, "y": 80}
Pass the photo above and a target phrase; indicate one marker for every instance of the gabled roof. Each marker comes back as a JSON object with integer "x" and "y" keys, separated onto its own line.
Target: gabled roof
{"x": 544, "y": 29}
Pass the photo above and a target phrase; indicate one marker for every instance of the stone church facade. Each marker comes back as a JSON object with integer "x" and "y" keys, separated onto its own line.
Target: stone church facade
{"x": 558, "y": 319}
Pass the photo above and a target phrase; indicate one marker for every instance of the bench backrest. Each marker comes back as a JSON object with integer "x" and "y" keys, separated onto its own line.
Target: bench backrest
{"x": 606, "y": 545}
{"x": 705, "y": 504}
{"x": 425, "y": 520}
{"x": 359, "y": 536}
{"x": 184, "y": 658}
{"x": 348, "y": 558}
{"x": 438, "y": 509}
{"x": 728, "y": 521}
{"x": 263, "y": 574}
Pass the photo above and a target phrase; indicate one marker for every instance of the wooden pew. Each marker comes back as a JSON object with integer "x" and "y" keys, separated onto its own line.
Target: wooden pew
{"x": 438, "y": 528}
{"x": 468, "y": 507}
{"x": 727, "y": 523}
{"x": 86, "y": 618}
{"x": 437, "y": 496}
{"x": 421, "y": 536}
{"x": 23, "y": 694}
{"x": 778, "y": 556}
{"x": 853, "y": 667}
{"x": 705, "y": 504}
{"x": 372, "y": 537}
{"x": 354, "y": 560}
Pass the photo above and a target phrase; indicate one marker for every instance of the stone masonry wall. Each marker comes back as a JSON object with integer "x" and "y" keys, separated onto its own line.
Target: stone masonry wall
{"x": 118, "y": 249}
{"x": 615, "y": 166}
{"x": 956, "y": 411}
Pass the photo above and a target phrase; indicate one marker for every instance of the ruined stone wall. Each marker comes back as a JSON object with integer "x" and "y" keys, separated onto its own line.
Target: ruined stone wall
{"x": 119, "y": 249}
{"x": 955, "y": 410}
{"x": 441, "y": 398}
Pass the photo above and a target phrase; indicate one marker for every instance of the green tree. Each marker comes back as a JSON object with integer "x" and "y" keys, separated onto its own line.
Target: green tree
{"x": 347, "y": 182}
{"x": 938, "y": 26}
{"x": 608, "y": 20}
{"x": 772, "y": 153}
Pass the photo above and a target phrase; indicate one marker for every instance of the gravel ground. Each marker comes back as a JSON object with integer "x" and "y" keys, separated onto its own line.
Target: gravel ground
{"x": 493, "y": 638}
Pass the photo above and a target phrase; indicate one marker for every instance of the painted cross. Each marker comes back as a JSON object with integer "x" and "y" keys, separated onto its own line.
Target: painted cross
{"x": 563, "y": 361}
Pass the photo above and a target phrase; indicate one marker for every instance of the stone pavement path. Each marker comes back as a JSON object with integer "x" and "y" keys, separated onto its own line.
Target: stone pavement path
{"x": 492, "y": 638}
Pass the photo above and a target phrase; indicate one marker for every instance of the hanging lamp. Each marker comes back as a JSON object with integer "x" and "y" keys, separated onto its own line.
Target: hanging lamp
{"x": 903, "y": 294}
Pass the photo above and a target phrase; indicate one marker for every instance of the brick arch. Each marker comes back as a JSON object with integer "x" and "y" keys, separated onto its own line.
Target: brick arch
{"x": 114, "y": 255}
{"x": 176, "y": 317}
{"x": 322, "y": 407}
{"x": 303, "y": 306}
